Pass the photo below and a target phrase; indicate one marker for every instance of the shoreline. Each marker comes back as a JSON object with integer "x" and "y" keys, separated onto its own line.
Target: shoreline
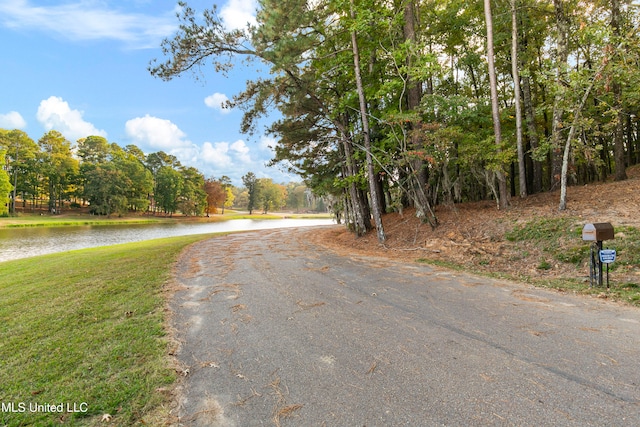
{"x": 82, "y": 219}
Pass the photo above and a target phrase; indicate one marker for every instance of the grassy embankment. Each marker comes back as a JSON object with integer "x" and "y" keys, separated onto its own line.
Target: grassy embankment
{"x": 560, "y": 242}
{"x": 87, "y": 328}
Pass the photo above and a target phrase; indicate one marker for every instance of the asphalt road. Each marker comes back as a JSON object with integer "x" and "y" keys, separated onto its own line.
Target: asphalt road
{"x": 277, "y": 331}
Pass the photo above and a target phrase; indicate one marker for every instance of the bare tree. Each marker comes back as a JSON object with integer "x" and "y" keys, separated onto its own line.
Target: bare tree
{"x": 618, "y": 137}
{"x": 516, "y": 89}
{"x": 562, "y": 54}
{"x": 374, "y": 191}
{"x": 503, "y": 198}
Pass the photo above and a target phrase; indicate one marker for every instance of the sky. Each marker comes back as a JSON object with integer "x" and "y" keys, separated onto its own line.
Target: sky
{"x": 80, "y": 67}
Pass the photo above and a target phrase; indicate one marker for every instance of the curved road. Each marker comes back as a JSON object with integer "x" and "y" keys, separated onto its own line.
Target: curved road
{"x": 277, "y": 331}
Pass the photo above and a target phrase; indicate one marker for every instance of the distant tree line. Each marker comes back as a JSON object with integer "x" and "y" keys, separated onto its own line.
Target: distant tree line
{"x": 263, "y": 195}
{"x": 385, "y": 105}
{"x": 113, "y": 180}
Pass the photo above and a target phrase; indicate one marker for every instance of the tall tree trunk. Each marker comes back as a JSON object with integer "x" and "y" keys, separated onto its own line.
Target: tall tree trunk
{"x": 380, "y": 182}
{"x": 630, "y": 139}
{"x": 567, "y": 146}
{"x": 414, "y": 89}
{"x": 360, "y": 210}
{"x": 562, "y": 54}
{"x": 637, "y": 149}
{"x": 530, "y": 116}
{"x": 419, "y": 176}
{"x": 15, "y": 181}
{"x": 364, "y": 116}
{"x": 522, "y": 174}
{"x": 429, "y": 87}
{"x": 618, "y": 140}
{"x": 577, "y": 112}
{"x": 361, "y": 222}
{"x": 532, "y": 132}
{"x": 576, "y": 117}
{"x": 503, "y": 194}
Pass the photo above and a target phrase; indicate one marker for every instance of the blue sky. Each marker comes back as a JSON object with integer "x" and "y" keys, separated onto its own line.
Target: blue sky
{"x": 80, "y": 67}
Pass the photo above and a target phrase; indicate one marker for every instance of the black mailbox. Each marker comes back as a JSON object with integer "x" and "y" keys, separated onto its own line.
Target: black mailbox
{"x": 597, "y": 232}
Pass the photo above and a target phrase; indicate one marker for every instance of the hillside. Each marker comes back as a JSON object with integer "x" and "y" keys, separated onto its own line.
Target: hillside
{"x": 531, "y": 241}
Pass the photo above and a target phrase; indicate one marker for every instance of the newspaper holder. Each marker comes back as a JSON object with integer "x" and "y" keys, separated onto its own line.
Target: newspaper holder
{"x": 599, "y": 232}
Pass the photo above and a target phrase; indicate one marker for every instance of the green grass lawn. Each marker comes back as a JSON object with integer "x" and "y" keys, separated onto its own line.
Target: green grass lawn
{"x": 86, "y": 328}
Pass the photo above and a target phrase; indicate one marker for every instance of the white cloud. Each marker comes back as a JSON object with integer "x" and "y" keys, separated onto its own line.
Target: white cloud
{"x": 225, "y": 156}
{"x": 211, "y": 158}
{"x": 88, "y": 20}
{"x": 156, "y": 133}
{"x": 267, "y": 143}
{"x": 233, "y": 159}
{"x": 55, "y": 113}
{"x": 216, "y": 154}
{"x": 236, "y": 14}
{"x": 12, "y": 120}
{"x": 217, "y": 101}
{"x": 240, "y": 151}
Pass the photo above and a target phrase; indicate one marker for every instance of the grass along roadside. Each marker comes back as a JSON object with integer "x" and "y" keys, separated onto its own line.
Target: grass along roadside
{"x": 558, "y": 241}
{"x": 86, "y": 328}
{"x": 561, "y": 242}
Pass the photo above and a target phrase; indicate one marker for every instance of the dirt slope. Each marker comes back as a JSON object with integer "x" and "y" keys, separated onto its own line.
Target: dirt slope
{"x": 472, "y": 234}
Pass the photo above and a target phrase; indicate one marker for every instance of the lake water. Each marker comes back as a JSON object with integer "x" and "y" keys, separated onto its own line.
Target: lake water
{"x": 26, "y": 242}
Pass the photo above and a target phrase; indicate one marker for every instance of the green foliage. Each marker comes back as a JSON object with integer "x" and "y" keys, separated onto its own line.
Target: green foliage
{"x": 169, "y": 185}
{"x": 192, "y": 196}
{"x": 20, "y": 160}
{"x": 251, "y": 183}
{"x": 5, "y": 187}
{"x": 105, "y": 188}
{"x": 59, "y": 167}
{"x": 270, "y": 196}
{"x": 561, "y": 238}
{"x": 545, "y": 230}
{"x": 573, "y": 254}
{"x": 93, "y": 149}
{"x": 296, "y": 197}
{"x": 424, "y": 72}
{"x": 627, "y": 245}
{"x": 544, "y": 265}
{"x": 113, "y": 180}
{"x": 140, "y": 180}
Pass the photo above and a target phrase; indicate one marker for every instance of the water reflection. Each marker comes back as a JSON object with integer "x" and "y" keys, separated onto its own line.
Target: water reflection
{"x": 25, "y": 242}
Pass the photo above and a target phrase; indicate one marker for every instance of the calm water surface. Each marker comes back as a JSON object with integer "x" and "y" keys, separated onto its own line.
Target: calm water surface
{"x": 26, "y": 242}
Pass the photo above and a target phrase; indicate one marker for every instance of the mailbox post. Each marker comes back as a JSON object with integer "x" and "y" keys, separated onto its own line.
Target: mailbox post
{"x": 597, "y": 233}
